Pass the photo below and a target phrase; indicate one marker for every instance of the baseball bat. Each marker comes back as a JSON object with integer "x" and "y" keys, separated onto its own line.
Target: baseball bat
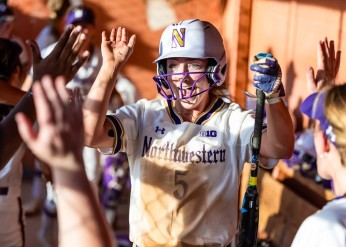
{"x": 249, "y": 214}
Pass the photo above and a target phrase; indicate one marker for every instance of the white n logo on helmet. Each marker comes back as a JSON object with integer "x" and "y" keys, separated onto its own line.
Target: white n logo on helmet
{"x": 178, "y": 38}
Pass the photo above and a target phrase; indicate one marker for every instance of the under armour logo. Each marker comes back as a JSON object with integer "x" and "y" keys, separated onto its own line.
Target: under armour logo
{"x": 158, "y": 129}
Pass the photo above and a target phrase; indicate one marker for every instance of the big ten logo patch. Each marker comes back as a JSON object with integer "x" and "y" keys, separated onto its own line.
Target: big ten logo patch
{"x": 178, "y": 37}
{"x": 208, "y": 133}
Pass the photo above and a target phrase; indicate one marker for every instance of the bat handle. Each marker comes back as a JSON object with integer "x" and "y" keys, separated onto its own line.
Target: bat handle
{"x": 256, "y": 141}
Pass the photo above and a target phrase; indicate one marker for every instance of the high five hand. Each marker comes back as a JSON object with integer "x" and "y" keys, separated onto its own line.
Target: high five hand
{"x": 64, "y": 60}
{"x": 118, "y": 48}
{"x": 58, "y": 115}
{"x": 328, "y": 63}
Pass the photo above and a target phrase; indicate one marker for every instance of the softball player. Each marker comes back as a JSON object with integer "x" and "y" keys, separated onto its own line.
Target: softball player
{"x": 327, "y": 227}
{"x": 186, "y": 150}
{"x": 326, "y": 108}
{"x": 84, "y": 16}
{"x": 11, "y": 229}
{"x": 11, "y": 211}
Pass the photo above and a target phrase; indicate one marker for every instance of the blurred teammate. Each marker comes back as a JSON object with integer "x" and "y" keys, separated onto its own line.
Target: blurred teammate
{"x": 11, "y": 212}
{"x": 7, "y": 22}
{"x": 47, "y": 36}
{"x": 124, "y": 92}
{"x": 51, "y": 33}
{"x": 186, "y": 150}
{"x": 327, "y": 108}
{"x": 11, "y": 233}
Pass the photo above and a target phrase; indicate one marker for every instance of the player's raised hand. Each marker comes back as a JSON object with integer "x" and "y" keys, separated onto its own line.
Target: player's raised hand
{"x": 328, "y": 63}
{"x": 268, "y": 75}
{"x": 59, "y": 139}
{"x": 118, "y": 48}
{"x": 64, "y": 60}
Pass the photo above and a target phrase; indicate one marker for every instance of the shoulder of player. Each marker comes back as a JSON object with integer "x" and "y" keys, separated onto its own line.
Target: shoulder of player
{"x": 236, "y": 108}
{"x": 316, "y": 221}
{"x": 334, "y": 206}
{"x": 148, "y": 104}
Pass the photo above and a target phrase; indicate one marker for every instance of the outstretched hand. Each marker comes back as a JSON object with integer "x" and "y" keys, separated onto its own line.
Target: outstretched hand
{"x": 118, "y": 48}
{"x": 328, "y": 63}
{"x": 60, "y": 137}
{"x": 64, "y": 60}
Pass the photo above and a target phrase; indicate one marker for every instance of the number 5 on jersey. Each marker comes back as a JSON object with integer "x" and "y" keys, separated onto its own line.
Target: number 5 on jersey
{"x": 180, "y": 184}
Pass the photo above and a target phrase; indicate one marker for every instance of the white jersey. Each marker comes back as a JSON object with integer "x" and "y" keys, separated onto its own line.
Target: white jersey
{"x": 327, "y": 227}
{"x": 11, "y": 212}
{"x": 46, "y": 37}
{"x": 185, "y": 176}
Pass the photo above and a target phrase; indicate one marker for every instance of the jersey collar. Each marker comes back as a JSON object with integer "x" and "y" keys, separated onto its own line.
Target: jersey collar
{"x": 216, "y": 105}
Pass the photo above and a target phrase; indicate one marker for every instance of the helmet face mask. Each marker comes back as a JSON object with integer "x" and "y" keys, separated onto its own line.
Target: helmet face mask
{"x": 171, "y": 93}
{"x": 190, "y": 39}
{"x": 174, "y": 92}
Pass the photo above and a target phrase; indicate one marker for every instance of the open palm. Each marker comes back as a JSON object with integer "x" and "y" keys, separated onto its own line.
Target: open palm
{"x": 118, "y": 48}
{"x": 328, "y": 63}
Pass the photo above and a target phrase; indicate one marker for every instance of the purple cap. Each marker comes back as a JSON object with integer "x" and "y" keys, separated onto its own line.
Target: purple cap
{"x": 313, "y": 107}
{"x": 80, "y": 14}
{"x": 6, "y": 13}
